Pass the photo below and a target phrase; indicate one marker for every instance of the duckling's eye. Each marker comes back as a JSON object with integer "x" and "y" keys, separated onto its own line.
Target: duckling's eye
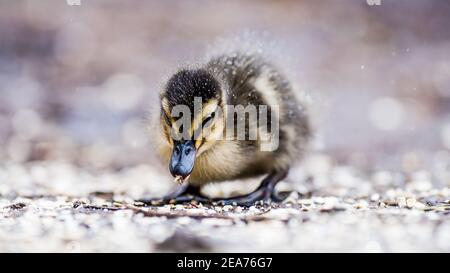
{"x": 208, "y": 119}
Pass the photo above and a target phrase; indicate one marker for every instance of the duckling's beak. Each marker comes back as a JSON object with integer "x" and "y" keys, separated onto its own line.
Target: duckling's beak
{"x": 183, "y": 160}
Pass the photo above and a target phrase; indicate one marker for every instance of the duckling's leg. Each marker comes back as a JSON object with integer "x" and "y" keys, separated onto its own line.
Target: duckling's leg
{"x": 265, "y": 192}
{"x": 184, "y": 194}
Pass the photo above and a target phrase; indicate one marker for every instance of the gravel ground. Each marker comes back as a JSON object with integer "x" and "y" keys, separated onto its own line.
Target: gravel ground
{"x": 76, "y": 86}
{"x": 355, "y": 213}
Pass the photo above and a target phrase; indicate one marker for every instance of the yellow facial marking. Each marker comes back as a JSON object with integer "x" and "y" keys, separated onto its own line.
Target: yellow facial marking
{"x": 165, "y": 105}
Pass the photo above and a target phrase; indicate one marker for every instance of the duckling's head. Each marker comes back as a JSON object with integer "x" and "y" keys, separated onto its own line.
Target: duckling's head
{"x": 192, "y": 117}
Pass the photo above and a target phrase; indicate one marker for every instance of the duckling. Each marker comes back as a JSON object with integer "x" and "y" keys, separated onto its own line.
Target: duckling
{"x": 199, "y": 150}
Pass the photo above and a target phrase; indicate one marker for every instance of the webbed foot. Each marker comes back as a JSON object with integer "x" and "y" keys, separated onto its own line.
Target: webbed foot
{"x": 264, "y": 194}
{"x": 185, "y": 194}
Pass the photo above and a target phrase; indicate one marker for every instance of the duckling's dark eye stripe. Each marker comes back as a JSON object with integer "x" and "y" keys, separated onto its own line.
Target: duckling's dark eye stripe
{"x": 201, "y": 142}
{"x": 208, "y": 119}
{"x": 166, "y": 117}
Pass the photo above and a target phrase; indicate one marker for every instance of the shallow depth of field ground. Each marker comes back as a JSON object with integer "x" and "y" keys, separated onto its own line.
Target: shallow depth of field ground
{"x": 356, "y": 213}
{"x": 78, "y": 82}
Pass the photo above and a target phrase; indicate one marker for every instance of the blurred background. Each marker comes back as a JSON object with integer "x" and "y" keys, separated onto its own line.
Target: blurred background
{"x": 77, "y": 83}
